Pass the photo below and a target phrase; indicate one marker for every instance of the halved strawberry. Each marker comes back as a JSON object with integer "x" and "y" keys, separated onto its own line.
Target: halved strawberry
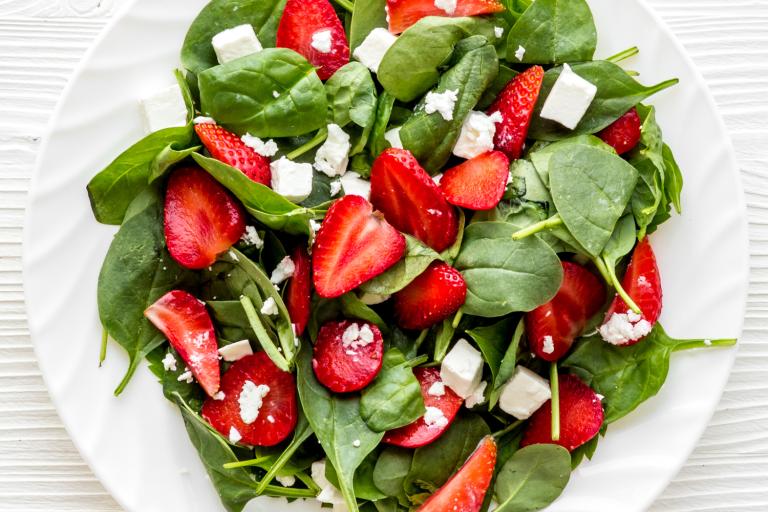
{"x": 465, "y": 491}
{"x": 624, "y": 134}
{"x": 229, "y": 148}
{"x": 404, "y": 13}
{"x": 552, "y": 327}
{"x": 432, "y": 297}
{"x": 408, "y": 197}
{"x": 202, "y": 220}
{"x": 250, "y": 413}
{"x": 479, "y": 183}
{"x": 516, "y": 104}
{"x": 312, "y": 28}
{"x": 298, "y": 295}
{"x": 348, "y": 355}
{"x": 189, "y": 329}
{"x": 581, "y": 416}
{"x": 354, "y": 244}
{"x": 418, "y": 433}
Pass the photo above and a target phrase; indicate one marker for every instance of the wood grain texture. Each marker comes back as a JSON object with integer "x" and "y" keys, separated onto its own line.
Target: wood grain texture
{"x": 41, "y": 42}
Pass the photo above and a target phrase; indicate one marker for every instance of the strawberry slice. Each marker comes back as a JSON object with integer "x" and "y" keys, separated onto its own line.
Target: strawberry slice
{"x": 581, "y": 416}
{"x": 465, "y": 491}
{"x": 552, "y": 327}
{"x": 479, "y": 183}
{"x": 189, "y": 329}
{"x": 348, "y": 355}
{"x": 404, "y": 13}
{"x": 419, "y": 433}
{"x": 202, "y": 220}
{"x": 432, "y": 297}
{"x": 411, "y": 201}
{"x": 312, "y": 28}
{"x": 227, "y": 147}
{"x": 624, "y": 134}
{"x": 259, "y": 407}
{"x": 516, "y": 104}
{"x": 298, "y": 295}
{"x": 354, "y": 244}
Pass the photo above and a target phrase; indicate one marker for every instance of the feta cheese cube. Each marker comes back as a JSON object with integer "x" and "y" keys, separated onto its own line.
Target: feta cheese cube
{"x": 569, "y": 99}
{"x": 322, "y": 41}
{"x": 371, "y": 299}
{"x": 476, "y": 135}
{"x": 477, "y": 397}
{"x": 354, "y": 185}
{"x": 393, "y": 137}
{"x": 266, "y": 149}
{"x": 371, "y": 51}
{"x": 449, "y": 6}
{"x": 251, "y": 399}
{"x": 292, "y": 180}
{"x": 441, "y": 102}
{"x": 498, "y": 32}
{"x": 235, "y": 351}
{"x": 235, "y": 42}
{"x": 328, "y": 493}
{"x": 286, "y": 481}
{"x": 283, "y": 270}
{"x": 164, "y": 109}
{"x": 333, "y": 156}
{"x": 462, "y": 369}
{"x": 524, "y": 393}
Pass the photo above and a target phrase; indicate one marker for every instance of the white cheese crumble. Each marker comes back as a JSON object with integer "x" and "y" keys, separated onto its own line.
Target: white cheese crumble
{"x": 204, "y": 120}
{"x": 436, "y": 389}
{"x": 393, "y": 137}
{"x": 283, "y": 270}
{"x": 286, "y": 481}
{"x": 477, "y": 397}
{"x": 314, "y": 226}
{"x": 623, "y": 328}
{"x": 236, "y": 351}
{"x": 520, "y": 53}
{"x": 441, "y": 102}
{"x": 569, "y": 99}
{"x": 251, "y": 399}
{"x": 356, "y": 443}
{"x": 291, "y": 180}
{"x": 434, "y": 418}
{"x": 271, "y": 418}
{"x": 169, "y": 362}
{"x": 233, "y": 255}
{"x": 328, "y": 493}
{"x": 548, "y": 346}
{"x": 372, "y": 50}
{"x": 333, "y": 156}
{"x": 219, "y": 396}
{"x": 251, "y": 237}
{"x": 275, "y": 94}
{"x": 234, "y": 435}
{"x": 354, "y": 185}
{"x": 437, "y": 178}
{"x": 267, "y": 149}
{"x": 449, "y": 6}
{"x": 335, "y": 188}
{"x": 477, "y": 134}
{"x": 164, "y": 109}
{"x": 322, "y": 41}
{"x": 186, "y": 377}
{"x": 462, "y": 369}
{"x": 498, "y": 32}
{"x": 524, "y": 393}
{"x": 235, "y": 42}
{"x": 270, "y": 307}
{"x": 356, "y": 336}
{"x": 708, "y": 343}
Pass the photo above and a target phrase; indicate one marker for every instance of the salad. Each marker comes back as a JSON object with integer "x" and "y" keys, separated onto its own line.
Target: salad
{"x": 393, "y": 255}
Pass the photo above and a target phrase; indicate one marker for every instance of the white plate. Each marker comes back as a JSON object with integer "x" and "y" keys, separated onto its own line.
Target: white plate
{"x": 136, "y": 443}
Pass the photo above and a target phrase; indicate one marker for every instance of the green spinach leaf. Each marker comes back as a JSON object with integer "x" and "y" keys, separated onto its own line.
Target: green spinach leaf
{"x": 417, "y": 258}
{"x": 394, "y": 399}
{"x": 533, "y": 478}
{"x": 647, "y": 158}
{"x": 366, "y": 16}
{"x": 351, "y": 95}
{"x": 493, "y": 340}
{"x": 383, "y": 114}
{"x": 507, "y": 366}
{"x": 390, "y": 471}
{"x": 167, "y": 158}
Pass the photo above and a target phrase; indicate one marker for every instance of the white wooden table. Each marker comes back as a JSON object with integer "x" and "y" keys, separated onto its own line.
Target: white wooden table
{"x": 41, "y": 42}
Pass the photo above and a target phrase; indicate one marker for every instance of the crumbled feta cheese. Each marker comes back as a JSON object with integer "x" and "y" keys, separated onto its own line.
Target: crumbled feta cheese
{"x": 642, "y": 281}
{"x": 322, "y": 41}
{"x": 164, "y": 109}
{"x": 548, "y": 346}
{"x": 441, "y": 102}
{"x": 251, "y": 399}
{"x": 437, "y": 178}
{"x": 335, "y": 188}
{"x": 600, "y": 397}
{"x": 236, "y": 351}
{"x": 235, "y": 42}
{"x": 371, "y": 299}
{"x": 373, "y": 48}
{"x": 286, "y": 481}
{"x": 292, "y": 180}
{"x": 234, "y": 435}
{"x": 449, "y": 6}
{"x": 477, "y": 397}
{"x": 251, "y": 237}
{"x": 314, "y": 225}
{"x": 623, "y": 328}
{"x": 267, "y": 149}
{"x": 476, "y": 135}
{"x": 520, "y": 53}
{"x": 708, "y": 343}
{"x": 270, "y": 307}
{"x": 462, "y": 369}
{"x": 356, "y": 443}
{"x": 354, "y": 185}
{"x": 275, "y": 94}
{"x": 569, "y": 99}
{"x": 434, "y": 418}
{"x": 393, "y": 137}
{"x": 498, "y": 32}
{"x": 436, "y": 389}
{"x": 169, "y": 362}
{"x": 186, "y": 377}
{"x": 219, "y": 396}
{"x": 271, "y": 418}
{"x": 232, "y": 254}
{"x": 356, "y": 336}
{"x": 328, "y": 493}
{"x": 333, "y": 156}
{"x": 283, "y": 270}
{"x": 204, "y": 120}
{"x": 524, "y": 393}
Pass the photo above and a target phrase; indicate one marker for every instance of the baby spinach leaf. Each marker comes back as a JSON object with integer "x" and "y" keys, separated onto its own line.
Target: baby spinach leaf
{"x": 383, "y": 113}
{"x": 620, "y": 244}
{"x": 392, "y": 467}
{"x": 673, "y": 183}
{"x": 302, "y": 432}
{"x": 394, "y": 399}
{"x": 353, "y": 307}
{"x": 540, "y": 156}
{"x": 366, "y": 16}
{"x": 417, "y": 258}
{"x": 239, "y": 94}
{"x": 504, "y": 275}
{"x": 507, "y": 366}
{"x": 515, "y": 9}
{"x": 230, "y": 320}
{"x": 554, "y": 32}
{"x": 493, "y": 340}
{"x": 167, "y": 158}
{"x": 365, "y": 488}
{"x": 351, "y": 95}
{"x": 444, "y": 333}
{"x": 533, "y": 478}
{"x": 499, "y": 83}
{"x": 192, "y": 393}
{"x": 535, "y": 189}
{"x": 647, "y": 158}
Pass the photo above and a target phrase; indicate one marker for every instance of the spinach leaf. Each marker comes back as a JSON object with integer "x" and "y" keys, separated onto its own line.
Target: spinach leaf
{"x": 619, "y": 245}
{"x": 554, "y": 32}
{"x": 351, "y": 95}
{"x": 533, "y": 478}
{"x": 504, "y": 275}
{"x": 507, "y": 366}
{"x": 515, "y": 9}
{"x": 499, "y": 83}
{"x": 417, "y": 258}
{"x": 383, "y": 114}
{"x": 353, "y": 307}
{"x": 673, "y": 183}
{"x": 394, "y": 399}
{"x": 535, "y": 189}
{"x": 167, "y": 158}
{"x": 366, "y": 16}
{"x": 191, "y": 393}
{"x": 302, "y": 432}
{"x": 444, "y": 333}
{"x": 230, "y": 320}
{"x": 365, "y": 488}
{"x": 540, "y": 156}
{"x": 239, "y": 94}
{"x": 647, "y": 158}
{"x": 617, "y": 92}
{"x": 390, "y": 471}
{"x": 493, "y": 340}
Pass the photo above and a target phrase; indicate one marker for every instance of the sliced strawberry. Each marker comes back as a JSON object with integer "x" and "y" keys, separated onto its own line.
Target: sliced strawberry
{"x": 624, "y": 134}
{"x": 410, "y": 199}
{"x": 189, "y": 329}
{"x": 479, "y": 183}
{"x": 432, "y": 297}
{"x": 404, "y": 13}
{"x": 552, "y": 327}
{"x": 201, "y": 219}
{"x": 465, "y": 491}
{"x": 267, "y": 425}
{"x": 418, "y": 433}
{"x": 516, "y": 104}
{"x": 298, "y": 295}
{"x": 307, "y": 26}
{"x": 229, "y": 148}
{"x": 581, "y": 416}
{"x": 354, "y": 244}
{"x": 348, "y": 355}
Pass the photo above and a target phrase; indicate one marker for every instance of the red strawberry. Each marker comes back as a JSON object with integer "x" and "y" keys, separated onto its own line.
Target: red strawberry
{"x": 432, "y": 297}
{"x": 229, "y": 148}
{"x": 581, "y": 417}
{"x": 298, "y": 295}
{"x": 348, "y": 355}
{"x": 465, "y": 491}
{"x": 354, "y": 244}
{"x": 404, "y": 13}
{"x": 479, "y": 183}
{"x": 516, "y": 104}
{"x": 418, "y": 433}
{"x": 201, "y": 219}
{"x": 189, "y": 329}
{"x": 624, "y": 134}
{"x": 642, "y": 282}
{"x": 411, "y": 201}
{"x": 308, "y": 21}
{"x": 552, "y": 327}
{"x": 233, "y": 415}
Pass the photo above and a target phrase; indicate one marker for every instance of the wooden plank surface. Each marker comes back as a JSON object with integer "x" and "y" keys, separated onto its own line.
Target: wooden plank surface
{"x": 41, "y": 42}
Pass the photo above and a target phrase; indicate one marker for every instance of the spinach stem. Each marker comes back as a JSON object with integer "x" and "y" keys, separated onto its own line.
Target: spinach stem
{"x": 614, "y": 281}
{"x": 346, "y": 5}
{"x": 261, "y": 333}
{"x": 283, "y": 459}
{"x": 318, "y": 139}
{"x": 289, "y": 492}
{"x": 103, "y": 350}
{"x": 457, "y": 318}
{"x": 246, "y": 463}
{"x": 549, "y": 223}
{"x": 420, "y": 339}
{"x": 555, "y": 385}
{"x": 623, "y": 55}
{"x": 691, "y": 344}
{"x": 632, "y": 72}
{"x": 506, "y": 430}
